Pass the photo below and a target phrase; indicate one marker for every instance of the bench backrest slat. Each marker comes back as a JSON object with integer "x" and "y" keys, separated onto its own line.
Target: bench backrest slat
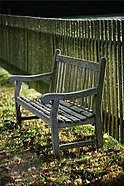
{"x": 73, "y": 74}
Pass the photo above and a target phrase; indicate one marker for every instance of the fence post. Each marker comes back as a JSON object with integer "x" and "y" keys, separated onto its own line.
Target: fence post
{"x": 122, "y": 58}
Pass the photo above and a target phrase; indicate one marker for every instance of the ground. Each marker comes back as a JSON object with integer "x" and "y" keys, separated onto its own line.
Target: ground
{"x": 26, "y": 156}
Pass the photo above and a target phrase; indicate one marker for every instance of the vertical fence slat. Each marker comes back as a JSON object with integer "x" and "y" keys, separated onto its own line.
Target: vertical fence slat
{"x": 110, "y": 73}
{"x": 115, "y": 73}
{"x": 107, "y": 76}
{"x": 118, "y": 127}
{"x": 102, "y": 53}
{"x": 122, "y": 124}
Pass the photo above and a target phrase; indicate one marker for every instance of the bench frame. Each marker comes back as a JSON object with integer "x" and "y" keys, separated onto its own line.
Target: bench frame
{"x": 56, "y": 98}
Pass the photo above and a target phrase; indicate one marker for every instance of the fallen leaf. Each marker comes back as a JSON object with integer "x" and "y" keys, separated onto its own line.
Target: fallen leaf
{"x": 19, "y": 184}
{"x": 53, "y": 179}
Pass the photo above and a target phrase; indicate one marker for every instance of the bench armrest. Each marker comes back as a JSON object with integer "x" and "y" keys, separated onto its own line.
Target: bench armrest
{"x": 29, "y": 77}
{"x": 68, "y": 96}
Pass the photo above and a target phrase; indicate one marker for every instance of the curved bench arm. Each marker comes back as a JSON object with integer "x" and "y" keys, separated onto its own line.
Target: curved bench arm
{"x": 29, "y": 77}
{"x": 21, "y": 78}
{"x": 46, "y": 98}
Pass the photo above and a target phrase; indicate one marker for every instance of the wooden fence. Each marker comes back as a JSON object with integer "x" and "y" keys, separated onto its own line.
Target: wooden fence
{"x": 27, "y": 46}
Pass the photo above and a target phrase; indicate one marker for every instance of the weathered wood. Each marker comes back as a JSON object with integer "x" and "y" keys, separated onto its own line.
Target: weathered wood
{"x": 77, "y": 109}
{"x": 66, "y": 105}
{"x": 54, "y": 127}
{"x": 32, "y": 109}
{"x": 68, "y": 96}
{"x": 29, "y": 78}
{"x": 78, "y": 144}
{"x": 78, "y": 62}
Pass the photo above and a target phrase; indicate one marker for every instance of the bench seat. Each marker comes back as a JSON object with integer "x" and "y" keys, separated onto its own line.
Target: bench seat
{"x": 68, "y": 113}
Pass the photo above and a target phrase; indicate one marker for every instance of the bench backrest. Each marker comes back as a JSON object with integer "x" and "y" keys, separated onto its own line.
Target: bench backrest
{"x": 73, "y": 74}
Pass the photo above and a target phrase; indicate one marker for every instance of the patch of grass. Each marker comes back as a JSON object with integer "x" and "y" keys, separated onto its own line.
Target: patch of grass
{"x": 26, "y": 157}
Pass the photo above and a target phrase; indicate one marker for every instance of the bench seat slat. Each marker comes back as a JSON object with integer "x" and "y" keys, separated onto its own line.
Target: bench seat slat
{"x": 32, "y": 109}
{"x": 71, "y": 112}
{"x": 61, "y": 117}
{"x": 65, "y": 115}
{"x": 77, "y": 109}
{"x": 84, "y": 112}
{"x": 64, "y": 119}
{"x": 35, "y": 105}
{"x": 69, "y": 116}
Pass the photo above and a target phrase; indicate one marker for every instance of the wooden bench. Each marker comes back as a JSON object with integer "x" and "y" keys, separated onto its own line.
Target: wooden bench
{"x": 74, "y": 98}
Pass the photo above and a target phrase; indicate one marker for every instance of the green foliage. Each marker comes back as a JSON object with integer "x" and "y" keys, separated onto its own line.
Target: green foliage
{"x": 26, "y": 156}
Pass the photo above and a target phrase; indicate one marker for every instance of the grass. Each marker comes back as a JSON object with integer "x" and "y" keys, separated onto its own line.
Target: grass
{"x": 26, "y": 157}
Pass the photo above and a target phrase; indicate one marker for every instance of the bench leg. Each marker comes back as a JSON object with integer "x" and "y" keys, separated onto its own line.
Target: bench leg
{"x": 99, "y": 131}
{"x": 55, "y": 139}
{"x": 18, "y": 114}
